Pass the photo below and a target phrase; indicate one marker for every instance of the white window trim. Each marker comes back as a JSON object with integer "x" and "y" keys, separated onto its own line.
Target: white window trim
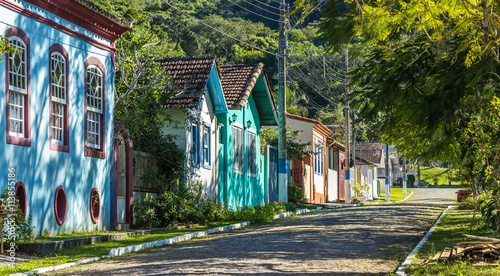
{"x": 20, "y": 91}
{"x": 94, "y": 110}
{"x": 249, "y": 130}
{"x": 57, "y": 100}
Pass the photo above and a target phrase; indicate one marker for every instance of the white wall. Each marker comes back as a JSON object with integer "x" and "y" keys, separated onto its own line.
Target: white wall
{"x": 181, "y": 127}
{"x": 333, "y": 193}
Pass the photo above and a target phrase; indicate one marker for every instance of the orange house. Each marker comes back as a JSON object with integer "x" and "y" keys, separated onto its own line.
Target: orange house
{"x": 312, "y": 172}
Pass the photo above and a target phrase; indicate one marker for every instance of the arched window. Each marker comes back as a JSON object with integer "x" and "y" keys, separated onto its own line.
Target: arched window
{"x": 94, "y": 108}
{"x": 18, "y": 88}
{"x": 59, "y": 132}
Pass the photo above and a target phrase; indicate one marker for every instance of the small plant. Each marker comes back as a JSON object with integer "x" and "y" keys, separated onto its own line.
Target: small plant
{"x": 16, "y": 227}
{"x": 295, "y": 193}
{"x": 361, "y": 189}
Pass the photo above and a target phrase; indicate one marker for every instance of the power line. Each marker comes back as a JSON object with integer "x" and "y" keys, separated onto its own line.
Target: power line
{"x": 256, "y": 13}
{"x": 259, "y": 7}
{"x": 219, "y": 31}
{"x": 266, "y": 4}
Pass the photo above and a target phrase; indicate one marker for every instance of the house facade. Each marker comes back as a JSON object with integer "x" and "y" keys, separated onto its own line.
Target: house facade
{"x": 243, "y": 172}
{"x": 312, "y": 173}
{"x": 336, "y": 173}
{"x": 194, "y": 116}
{"x": 371, "y": 157}
{"x": 57, "y": 91}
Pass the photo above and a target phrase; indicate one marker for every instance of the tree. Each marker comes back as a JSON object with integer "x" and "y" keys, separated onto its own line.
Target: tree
{"x": 431, "y": 62}
{"x": 295, "y": 148}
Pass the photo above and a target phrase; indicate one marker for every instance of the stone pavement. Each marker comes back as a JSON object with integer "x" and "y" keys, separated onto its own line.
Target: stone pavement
{"x": 445, "y": 196}
{"x": 368, "y": 240}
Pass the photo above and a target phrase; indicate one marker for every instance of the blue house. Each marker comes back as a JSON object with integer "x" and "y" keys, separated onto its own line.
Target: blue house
{"x": 243, "y": 176}
{"x": 57, "y": 112}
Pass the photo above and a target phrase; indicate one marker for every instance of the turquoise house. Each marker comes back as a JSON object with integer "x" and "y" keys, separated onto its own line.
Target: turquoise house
{"x": 242, "y": 178}
{"x": 56, "y": 112}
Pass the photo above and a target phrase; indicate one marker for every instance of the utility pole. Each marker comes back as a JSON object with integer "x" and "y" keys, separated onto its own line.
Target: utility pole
{"x": 354, "y": 146}
{"x": 387, "y": 173}
{"x": 282, "y": 160}
{"x": 347, "y": 184}
{"x": 418, "y": 173}
{"x": 404, "y": 175}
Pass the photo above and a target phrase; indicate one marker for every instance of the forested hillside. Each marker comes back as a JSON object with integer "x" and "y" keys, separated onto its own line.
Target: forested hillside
{"x": 244, "y": 31}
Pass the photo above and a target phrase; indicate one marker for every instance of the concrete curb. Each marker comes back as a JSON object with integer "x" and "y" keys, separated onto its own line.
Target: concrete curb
{"x": 409, "y": 259}
{"x": 115, "y": 252}
{"x": 407, "y": 196}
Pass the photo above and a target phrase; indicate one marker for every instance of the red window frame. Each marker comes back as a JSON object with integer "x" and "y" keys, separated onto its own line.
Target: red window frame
{"x": 96, "y": 153}
{"x": 65, "y": 146}
{"x": 26, "y": 140}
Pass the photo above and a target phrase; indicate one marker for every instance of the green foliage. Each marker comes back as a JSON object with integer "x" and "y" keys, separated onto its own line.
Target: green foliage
{"x": 16, "y": 227}
{"x": 411, "y": 180}
{"x": 295, "y": 193}
{"x": 439, "y": 175}
{"x": 295, "y": 148}
{"x": 5, "y": 47}
{"x": 360, "y": 189}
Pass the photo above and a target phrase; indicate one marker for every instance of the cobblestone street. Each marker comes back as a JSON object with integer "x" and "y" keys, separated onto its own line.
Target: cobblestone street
{"x": 369, "y": 240}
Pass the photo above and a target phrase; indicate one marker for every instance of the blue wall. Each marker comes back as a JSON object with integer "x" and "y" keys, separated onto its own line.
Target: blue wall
{"x": 41, "y": 169}
{"x": 239, "y": 190}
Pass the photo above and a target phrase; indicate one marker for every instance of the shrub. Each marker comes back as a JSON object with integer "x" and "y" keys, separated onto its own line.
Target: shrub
{"x": 411, "y": 181}
{"x": 143, "y": 213}
{"x": 16, "y": 227}
{"x": 295, "y": 193}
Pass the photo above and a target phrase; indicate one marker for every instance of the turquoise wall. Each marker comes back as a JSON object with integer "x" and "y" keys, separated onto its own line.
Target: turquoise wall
{"x": 239, "y": 190}
{"x": 41, "y": 169}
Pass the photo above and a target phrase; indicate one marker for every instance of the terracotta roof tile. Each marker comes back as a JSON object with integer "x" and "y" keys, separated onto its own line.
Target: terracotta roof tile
{"x": 238, "y": 82}
{"x": 189, "y": 75}
{"x": 371, "y": 152}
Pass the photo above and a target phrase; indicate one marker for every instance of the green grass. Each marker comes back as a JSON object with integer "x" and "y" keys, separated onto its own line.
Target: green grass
{"x": 99, "y": 249}
{"x": 395, "y": 195}
{"x": 79, "y": 235}
{"x": 447, "y": 234}
{"x": 441, "y": 175}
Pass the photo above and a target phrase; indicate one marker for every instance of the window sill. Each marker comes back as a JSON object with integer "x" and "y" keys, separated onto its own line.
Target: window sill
{"x": 25, "y": 142}
{"x": 208, "y": 167}
{"x": 95, "y": 153}
{"x": 61, "y": 148}
{"x": 195, "y": 165}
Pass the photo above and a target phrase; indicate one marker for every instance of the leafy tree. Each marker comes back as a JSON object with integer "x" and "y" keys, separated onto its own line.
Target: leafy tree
{"x": 294, "y": 148}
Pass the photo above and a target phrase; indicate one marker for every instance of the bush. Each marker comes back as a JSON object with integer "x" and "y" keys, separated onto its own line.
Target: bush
{"x": 144, "y": 215}
{"x": 295, "y": 193}
{"x": 411, "y": 181}
{"x": 16, "y": 227}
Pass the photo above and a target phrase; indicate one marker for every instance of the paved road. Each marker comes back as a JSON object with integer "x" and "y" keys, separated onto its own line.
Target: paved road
{"x": 444, "y": 196}
{"x": 369, "y": 240}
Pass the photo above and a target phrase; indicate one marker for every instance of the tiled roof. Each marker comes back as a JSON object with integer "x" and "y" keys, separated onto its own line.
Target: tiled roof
{"x": 90, "y": 5}
{"x": 238, "y": 82}
{"x": 371, "y": 152}
{"x": 189, "y": 75}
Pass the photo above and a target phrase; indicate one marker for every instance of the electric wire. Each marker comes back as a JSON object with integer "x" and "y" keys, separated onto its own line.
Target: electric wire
{"x": 256, "y": 13}
{"x": 266, "y": 5}
{"x": 259, "y": 7}
{"x": 219, "y": 31}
